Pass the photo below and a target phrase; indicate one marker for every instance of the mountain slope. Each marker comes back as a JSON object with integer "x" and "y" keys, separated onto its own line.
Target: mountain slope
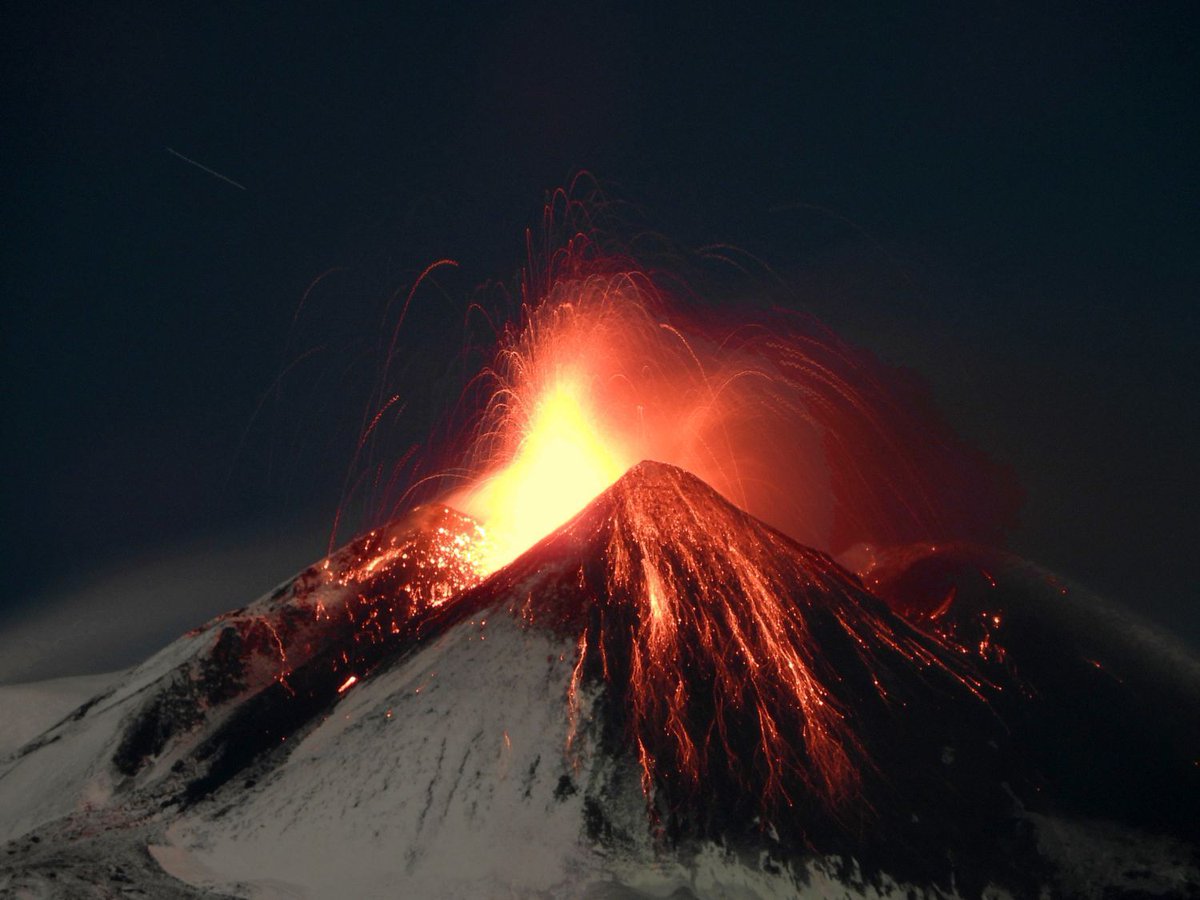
{"x": 760, "y": 689}
{"x": 1097, "y": 697}
{"x": 198, "y": 710}
{"x": 663, "y": 695}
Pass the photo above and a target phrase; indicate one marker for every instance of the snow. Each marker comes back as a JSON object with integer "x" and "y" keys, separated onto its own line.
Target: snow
{"x": 1100, "y": 857}
{"x": 26, "y": 710}
{"x": 65, "y": 769}
{"x": 443, "y": 774}
{"x": 439, "y": 777}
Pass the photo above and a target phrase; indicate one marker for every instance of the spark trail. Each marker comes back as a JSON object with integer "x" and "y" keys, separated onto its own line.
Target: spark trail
{"x": 775, "y": 412}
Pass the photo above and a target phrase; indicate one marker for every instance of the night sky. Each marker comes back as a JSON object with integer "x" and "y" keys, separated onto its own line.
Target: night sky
{"x": 999, "y": 197}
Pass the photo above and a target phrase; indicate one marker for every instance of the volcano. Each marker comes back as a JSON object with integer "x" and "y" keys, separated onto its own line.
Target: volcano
{"x": 663, "y": 697}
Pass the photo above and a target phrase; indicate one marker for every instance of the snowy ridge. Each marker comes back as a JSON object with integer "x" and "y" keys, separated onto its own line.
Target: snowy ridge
{"x": 384, "y": 725}
{"x": 419, "y": 781}
{"x": 29, "y": 709}
{"x": 163, "y": 724}
{"x": 66, "y": 769}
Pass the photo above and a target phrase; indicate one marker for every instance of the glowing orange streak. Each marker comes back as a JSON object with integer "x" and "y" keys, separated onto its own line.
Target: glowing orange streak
{"x": 375, "y": 421}
{"x": 742, "y": 612}
{"x": 573, "y": 701}
{"x": 408, "y": 301}
{"x": 278, "y": 643}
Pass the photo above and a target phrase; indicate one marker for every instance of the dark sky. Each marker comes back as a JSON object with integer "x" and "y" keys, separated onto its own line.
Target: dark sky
{"x": 1000, "y": 197}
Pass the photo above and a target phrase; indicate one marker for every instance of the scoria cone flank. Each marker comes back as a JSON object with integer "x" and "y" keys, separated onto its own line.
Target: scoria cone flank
{"x": 664, "y": 695}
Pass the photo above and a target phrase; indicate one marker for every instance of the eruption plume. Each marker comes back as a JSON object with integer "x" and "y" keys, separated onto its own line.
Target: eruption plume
{"x": 604, "y": 368}
{"x": 736, "y": 652}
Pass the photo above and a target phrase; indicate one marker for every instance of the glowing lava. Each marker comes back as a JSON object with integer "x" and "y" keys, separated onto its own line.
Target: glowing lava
{"x": 737, "y": 654}
{"x": 592, "y": 380}
{"x": 815, "y": 438}
{"x": 738, "y": 658}
{"x": 562, "y": 461}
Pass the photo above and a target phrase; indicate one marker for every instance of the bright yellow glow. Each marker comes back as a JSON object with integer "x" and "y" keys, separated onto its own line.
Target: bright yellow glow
{"x": 561, "y": 464}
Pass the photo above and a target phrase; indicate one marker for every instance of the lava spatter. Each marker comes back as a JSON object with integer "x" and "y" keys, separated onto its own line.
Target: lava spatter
{"x": 289, "y": 654}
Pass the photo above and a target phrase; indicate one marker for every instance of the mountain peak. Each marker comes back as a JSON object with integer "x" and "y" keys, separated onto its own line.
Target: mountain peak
{"x": 656, "y": 502}
{"x": 650, "y": 479}
{"x": 733, "y": 654}
{"x": 651, "y": 470}
{"x": 653, "y": 487}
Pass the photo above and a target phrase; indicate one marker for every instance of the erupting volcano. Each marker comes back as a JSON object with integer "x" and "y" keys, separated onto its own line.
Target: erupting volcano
{"x": 739, "y": 657}
{"x": 612, "y": 655}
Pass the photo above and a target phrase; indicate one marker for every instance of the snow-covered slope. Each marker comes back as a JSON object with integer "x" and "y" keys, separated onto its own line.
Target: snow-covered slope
{"x": 68, "y": 768}
{"x": 28, "y": 709}
{"x": 595, "y": 720}
{"x": 176, "y": 720}
{"x": 445, "y": 776}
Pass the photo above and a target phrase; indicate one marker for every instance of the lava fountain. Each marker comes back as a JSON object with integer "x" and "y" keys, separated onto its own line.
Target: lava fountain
{"x": 738, "y": 654}
{"x": 817, "y": 438}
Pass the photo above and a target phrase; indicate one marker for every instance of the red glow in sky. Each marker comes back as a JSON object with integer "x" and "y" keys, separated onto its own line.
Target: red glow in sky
{"x": 791, "y": 423}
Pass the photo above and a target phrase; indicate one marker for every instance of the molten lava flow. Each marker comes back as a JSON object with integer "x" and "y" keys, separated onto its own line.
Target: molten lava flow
{"x": 421, "y": 568}
{"x": 738, "y": 657}
{"x": 361, "y": 601}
